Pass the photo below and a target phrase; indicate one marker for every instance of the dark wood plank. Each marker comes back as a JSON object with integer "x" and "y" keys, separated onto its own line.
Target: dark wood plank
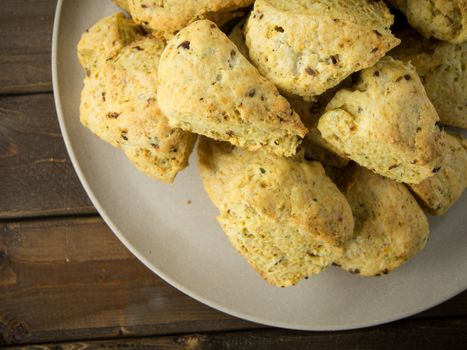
{"x": 36, "y": 175}
{"x": 68, "y": 279}
{"x": 407, "y": 335}
{"x": 25, "y": 42}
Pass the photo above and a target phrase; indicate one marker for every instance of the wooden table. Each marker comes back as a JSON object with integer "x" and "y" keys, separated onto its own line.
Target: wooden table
{"x": 66, "y": 282}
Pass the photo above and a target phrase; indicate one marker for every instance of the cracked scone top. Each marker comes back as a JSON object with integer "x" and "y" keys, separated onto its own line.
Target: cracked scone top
{"x": 118, "y": 101}
{"x": 286, "y": 217}
{"x": 386, "y": 124}
{"x": 206, "y": 86}
{"x": 308, "y": 46}
{"x": 443, "y": 72}
{"x": 390, "y": 227}
{"x": 443, "y": 189}
{"x": 442, "y": 19}
{"x": 167, "y": 17}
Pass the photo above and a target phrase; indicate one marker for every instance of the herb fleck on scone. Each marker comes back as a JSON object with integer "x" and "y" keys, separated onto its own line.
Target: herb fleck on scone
{"x": 286, "y": 217}
{"x": 386, "y": 123}
{"x": 306, "y": 47}
{"x": 390, "y": 227}
{"x": 207, "y": 87}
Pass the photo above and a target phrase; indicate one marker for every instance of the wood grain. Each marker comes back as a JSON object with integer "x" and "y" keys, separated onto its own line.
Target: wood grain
{"x": 36, "y": 175}
{"x": 69, "y": 279}
{"x": 72, "y": 279}
{"x": 406, "y": 335}
{"x": 25, "y": 41}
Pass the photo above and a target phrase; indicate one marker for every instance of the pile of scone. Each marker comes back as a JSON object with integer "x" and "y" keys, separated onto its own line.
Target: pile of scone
{"x": 322, "y": 131}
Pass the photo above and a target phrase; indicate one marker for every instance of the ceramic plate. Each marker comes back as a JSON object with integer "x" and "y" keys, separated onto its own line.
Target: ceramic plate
{"x": 184, "y": 245}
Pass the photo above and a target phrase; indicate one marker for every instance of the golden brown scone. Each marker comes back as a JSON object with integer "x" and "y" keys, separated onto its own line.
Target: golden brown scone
{"x": 442, "y": 70}
{"x": 306, "y": 47}
{"x": 390, "y": 227}
{"x": 442, "y": 190}
{"x": 284, "y": 216}
{"x": 105, "y": 39}
{"x": 118, "y": 104}
{"x": 314, "y": 146}
{"x": 206, "y": 86}
{"x": 442, "y": 19}
{"x": 167, "y": 17}
{"x": 386, "y": 124}
{"x": 150, "y": 143}
{"x": 123, "y": 4}
{"x": 97, "y": 45}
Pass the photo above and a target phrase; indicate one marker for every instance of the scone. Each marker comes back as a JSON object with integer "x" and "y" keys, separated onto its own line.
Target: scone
{"x": 306, "y": 47}
{"x": 96, "y": 47}
{"x": 150, "y": 143}
{"x": 118, "y": 104}
{"x": 442, "y": 190}
{"x": 390, "y": 227}
{"x": 386, "y": 123}
{"x": 207, "y": 87}
{"x": 442, "y": 70}
{"x": 314, "y": 146}
{"x": 442, "y": 19}
{"x": 167, "y": 17}
{"x": 284, "y": 216}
